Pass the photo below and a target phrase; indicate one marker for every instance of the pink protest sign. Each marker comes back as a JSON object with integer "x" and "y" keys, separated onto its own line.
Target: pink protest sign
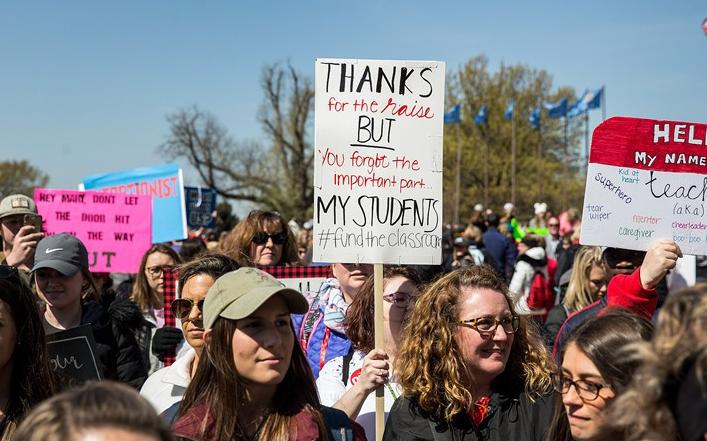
{"x": 116, "y": 228}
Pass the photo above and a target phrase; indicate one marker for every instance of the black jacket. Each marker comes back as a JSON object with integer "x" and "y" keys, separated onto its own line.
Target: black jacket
{"x": 116, "y": 348}
{"x": 508, "y": 419}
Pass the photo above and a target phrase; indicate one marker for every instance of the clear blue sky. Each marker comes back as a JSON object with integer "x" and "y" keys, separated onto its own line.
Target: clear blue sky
{"x": 85, "y": 85}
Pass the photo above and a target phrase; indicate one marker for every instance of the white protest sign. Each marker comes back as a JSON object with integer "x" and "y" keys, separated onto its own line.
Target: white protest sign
{"x": 378, "y": 161}
{"x": 646, "y": 180}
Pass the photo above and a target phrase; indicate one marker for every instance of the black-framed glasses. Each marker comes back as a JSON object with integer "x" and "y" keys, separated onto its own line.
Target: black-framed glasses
{"x": 158, "y": 270}
{"x": 181, "y": 308}
{"x": 488, "y": 325}
{"x": 400, "y": 299}
{"x": 261, "y": 238}
{"x": 586, "y": 390}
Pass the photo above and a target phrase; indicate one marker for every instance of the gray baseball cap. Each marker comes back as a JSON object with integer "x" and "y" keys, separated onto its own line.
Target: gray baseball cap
{"x": 17, "y": 204}
{"x": 62, "y": 252}
{"x": 237, "y": 294}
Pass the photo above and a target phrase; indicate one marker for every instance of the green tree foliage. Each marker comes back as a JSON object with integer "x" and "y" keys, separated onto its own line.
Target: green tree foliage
{"x": 547, "y": 168}
{"x": 20, "y": 177}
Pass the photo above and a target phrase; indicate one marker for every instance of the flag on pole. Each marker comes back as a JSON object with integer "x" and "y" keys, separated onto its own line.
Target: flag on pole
{"x": 508, "y": 114}
{"x": 558, "y": 109}
{"x": 704, "y": 26}
{"x": 590, "y": 100}
{"x": 453, "y": 115}
{"x": 534, "y": 118}
{"x": 482, "y": 116}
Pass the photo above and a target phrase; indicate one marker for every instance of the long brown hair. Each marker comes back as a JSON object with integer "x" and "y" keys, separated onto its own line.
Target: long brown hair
{"x": 142, "y": 295}
{"x": 429, "y": 363}
{"x": 359, "y": 315}
{"x": 604, "y": 340}
{"x": 32, "y": 380}
{"x": 646, "y": 409}
{"x": 217, "y": 383}
{"x": 237, "y": 243}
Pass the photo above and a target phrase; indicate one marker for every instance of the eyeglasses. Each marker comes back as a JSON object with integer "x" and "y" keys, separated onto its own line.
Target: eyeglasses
{"x": 261, "y": 238}
{"x": 181, "y": 308}
{"x": 400, "y": 299}
{"x": 158, "y": 270}
{"x": 553, "y": 225}
{"x": 488, "y": 325}
{"x": 587, "y": 390}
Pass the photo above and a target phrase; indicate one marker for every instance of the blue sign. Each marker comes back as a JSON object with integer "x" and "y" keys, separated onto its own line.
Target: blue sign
{"x": 201, "y": 202}
{"x": 164, "y": 183}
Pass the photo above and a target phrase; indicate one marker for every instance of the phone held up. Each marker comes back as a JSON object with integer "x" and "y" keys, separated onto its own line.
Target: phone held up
{"x": 34, "y": 220}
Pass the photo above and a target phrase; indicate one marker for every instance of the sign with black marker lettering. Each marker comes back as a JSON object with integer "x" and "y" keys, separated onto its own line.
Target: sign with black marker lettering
{"x": 646, "y": 180}
{"x": 116, "y": 228}
{"x": 378, "y": 161}
{"x": 72, "y": 354}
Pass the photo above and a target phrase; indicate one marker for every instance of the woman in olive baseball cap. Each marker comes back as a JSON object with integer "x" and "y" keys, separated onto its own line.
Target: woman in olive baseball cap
{"x": 253, "y": 381}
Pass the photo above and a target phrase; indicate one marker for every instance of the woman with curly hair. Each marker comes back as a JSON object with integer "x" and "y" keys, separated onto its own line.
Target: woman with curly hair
{"x": 594, "y": 371}
{"x": 263, "y": 238}
{"x": 25, "y": 376}
{"x": 667, "y": 398}
{"x": 588, "y": 283}
{"x": 346, "y": 382}
{"x": 469, "y": 366}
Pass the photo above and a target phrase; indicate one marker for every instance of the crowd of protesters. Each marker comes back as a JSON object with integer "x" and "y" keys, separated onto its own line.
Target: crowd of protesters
{"x": 520, "y": 334}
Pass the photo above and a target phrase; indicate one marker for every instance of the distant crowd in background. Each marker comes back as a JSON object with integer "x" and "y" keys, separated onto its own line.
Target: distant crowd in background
{"x": 521, "y": 333}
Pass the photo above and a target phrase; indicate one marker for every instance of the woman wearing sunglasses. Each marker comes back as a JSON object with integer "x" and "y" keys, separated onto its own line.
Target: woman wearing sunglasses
{"x": 25, "y": 376}
{"x": 148, "y": 294}
{"x": 262, "y": 239}
{"x": 595, "y": 368}
{"x": 346, "y": 382}
{"x": 469, "y": 367}
{"x": 166, "y": 386}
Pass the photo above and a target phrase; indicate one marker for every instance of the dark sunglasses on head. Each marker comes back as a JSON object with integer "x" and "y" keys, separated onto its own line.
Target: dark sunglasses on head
{"x": 614, "y": 256}
{"x": 262, "y": 238}
{"x": 181, "y": 308}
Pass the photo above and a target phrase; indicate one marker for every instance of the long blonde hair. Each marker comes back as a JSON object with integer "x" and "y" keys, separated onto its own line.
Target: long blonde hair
{"x": 578, "y": 292}
{"x": 429, "y": 364}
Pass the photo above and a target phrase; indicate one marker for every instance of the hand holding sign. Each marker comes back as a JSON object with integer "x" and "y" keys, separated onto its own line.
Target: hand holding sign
{"x": 661, "y": 256}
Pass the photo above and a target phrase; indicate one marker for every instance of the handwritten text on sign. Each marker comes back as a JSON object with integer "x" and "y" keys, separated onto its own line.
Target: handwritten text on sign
{"x": 646, "y": 180}
{"x": 115, "y": 227}
{"x": 378, "y": 161}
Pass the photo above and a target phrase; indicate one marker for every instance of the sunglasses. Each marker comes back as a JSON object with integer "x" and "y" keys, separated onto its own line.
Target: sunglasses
{"x": 181, "y": 308}
{"x": 262, "y": 238}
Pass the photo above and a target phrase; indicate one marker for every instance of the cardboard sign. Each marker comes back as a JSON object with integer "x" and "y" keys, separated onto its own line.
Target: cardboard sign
{"x": 163, "y": 183}
{"x": 200, "y": 203}
{"x": 646, "y": 180}
{"x": 115, "y": 228}
{"x": 72, "y": 354}
{"x": 378, "y": 161}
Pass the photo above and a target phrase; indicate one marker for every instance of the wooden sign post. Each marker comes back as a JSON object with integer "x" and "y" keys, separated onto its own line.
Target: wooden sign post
{"x": 378, "y": 129}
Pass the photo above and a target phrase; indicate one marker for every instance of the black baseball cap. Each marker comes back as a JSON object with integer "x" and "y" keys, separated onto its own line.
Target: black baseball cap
{"x": 62, "y": 252}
